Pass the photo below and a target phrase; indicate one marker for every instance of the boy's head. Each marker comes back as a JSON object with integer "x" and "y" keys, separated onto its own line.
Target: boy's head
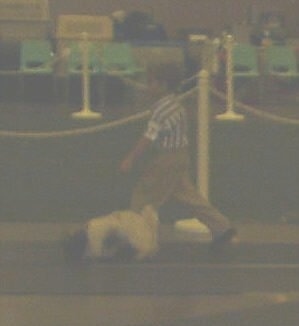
{"x": 167, "y": 76}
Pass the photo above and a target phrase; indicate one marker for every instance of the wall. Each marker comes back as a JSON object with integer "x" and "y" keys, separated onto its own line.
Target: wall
{"x": 176, "y": 14}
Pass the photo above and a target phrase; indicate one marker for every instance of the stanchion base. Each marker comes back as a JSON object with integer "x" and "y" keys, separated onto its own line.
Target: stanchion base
{"x": 230, "y": 116}
{"x": 86, "y": 114}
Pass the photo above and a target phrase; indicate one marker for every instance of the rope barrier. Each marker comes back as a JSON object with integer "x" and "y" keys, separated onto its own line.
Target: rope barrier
{"x": 75, "y": 132}
{"x": 259, "y": 113}
{"x": 143, "y": 115}
{"x": 229, "y": 96}
{"x": 134, "y": 83}
{"x": 87, "y": 130}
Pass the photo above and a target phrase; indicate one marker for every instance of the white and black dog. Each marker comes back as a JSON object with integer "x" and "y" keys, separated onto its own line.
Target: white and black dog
{"x": 121, "y": 233}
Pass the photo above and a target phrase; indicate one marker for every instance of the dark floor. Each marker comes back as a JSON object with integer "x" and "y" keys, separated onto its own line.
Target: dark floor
{"x": 51, "y": 179}
{"x": 254, "y": 282}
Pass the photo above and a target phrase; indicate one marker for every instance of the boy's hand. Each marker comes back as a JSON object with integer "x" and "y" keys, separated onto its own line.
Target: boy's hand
{"x": 126, "y": 165}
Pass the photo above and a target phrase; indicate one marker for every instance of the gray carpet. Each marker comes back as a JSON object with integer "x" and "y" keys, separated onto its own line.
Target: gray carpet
{"x": 177, "y": 269}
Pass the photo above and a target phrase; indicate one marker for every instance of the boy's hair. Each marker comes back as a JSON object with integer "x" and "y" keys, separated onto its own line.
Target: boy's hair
{"x": 168, "y": 73}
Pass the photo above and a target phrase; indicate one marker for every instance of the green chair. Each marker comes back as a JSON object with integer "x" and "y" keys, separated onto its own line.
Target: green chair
{"x": 75, "y": 59}
{"x": 36, "y": 59}
{"x": 118, "y": 61}
{"x": 245, "y": 62}
{"x": 280, "y": 61}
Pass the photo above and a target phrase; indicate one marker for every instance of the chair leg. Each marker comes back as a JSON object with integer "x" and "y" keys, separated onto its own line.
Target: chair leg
{"x": 102, "y": 89}
{"x": 55, "y": 90}
{"x": 21, "y": 86}
{"x": 62, "y": 90}
{"x": 59, "y": 92}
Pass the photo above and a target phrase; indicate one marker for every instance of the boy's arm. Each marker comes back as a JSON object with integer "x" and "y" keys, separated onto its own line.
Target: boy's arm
{"x": 137, "y": 151}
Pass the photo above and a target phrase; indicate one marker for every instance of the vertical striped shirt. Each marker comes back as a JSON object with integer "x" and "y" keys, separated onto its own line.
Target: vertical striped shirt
{"x": 167, "y": 127}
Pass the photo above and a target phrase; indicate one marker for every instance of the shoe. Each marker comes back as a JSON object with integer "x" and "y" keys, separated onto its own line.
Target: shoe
{"x": 223, "y": 239}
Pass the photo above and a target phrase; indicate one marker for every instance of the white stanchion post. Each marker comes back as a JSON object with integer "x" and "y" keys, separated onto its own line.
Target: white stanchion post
{"x": 86, "y": 112}
{"x": 193, "y": 226}
{"x": 203, "y": 134}
{"x": 230, "y": 114}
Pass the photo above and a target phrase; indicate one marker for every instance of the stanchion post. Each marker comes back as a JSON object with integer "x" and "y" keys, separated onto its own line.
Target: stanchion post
{"x": 230, "y": 114}
{"x": 203, "y": 134}
{"x": 86, "y": 112}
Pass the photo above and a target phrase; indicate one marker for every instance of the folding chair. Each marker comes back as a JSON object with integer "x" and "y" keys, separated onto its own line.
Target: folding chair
{"x": 118, "y": 61}
{"x": 75, "y": 59}
{"x": 280, "y": 61}
{"x": 36, "y": 59}
{"x": 245, "y": 62}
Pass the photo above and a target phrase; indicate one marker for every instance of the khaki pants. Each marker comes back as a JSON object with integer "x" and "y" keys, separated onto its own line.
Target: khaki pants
{"x": 167, "y": 176}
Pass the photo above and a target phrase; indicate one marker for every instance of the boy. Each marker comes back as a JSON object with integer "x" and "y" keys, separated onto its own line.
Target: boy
{"x": 166, "y": 175}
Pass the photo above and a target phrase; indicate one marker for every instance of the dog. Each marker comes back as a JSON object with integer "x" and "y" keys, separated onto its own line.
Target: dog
{"x": 123, "y": 234}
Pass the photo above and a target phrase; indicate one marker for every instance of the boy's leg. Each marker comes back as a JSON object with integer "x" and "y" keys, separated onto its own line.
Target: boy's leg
{"x": 157, "y": 183}
{"x": 203, "y": 210}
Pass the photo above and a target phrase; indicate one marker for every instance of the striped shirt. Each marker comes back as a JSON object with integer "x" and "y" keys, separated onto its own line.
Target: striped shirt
{"x": 167, "y": 127}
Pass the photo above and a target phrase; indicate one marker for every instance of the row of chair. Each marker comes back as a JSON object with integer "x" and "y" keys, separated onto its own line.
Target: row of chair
{"x": 37, "y": 58}
{"x": 276, "y": 61}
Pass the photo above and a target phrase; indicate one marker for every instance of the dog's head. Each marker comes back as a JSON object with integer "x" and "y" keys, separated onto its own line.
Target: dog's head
{"x": 74, "y": 246}
{"x": 118, "y": 248}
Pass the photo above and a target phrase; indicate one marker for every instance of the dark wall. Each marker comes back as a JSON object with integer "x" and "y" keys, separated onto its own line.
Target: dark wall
{"x": 176, "y": 14}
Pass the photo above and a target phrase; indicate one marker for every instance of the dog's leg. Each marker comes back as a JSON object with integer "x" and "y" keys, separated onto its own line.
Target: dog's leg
{"x": 145, "y": 249}
{"x": 97, "y": 233}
